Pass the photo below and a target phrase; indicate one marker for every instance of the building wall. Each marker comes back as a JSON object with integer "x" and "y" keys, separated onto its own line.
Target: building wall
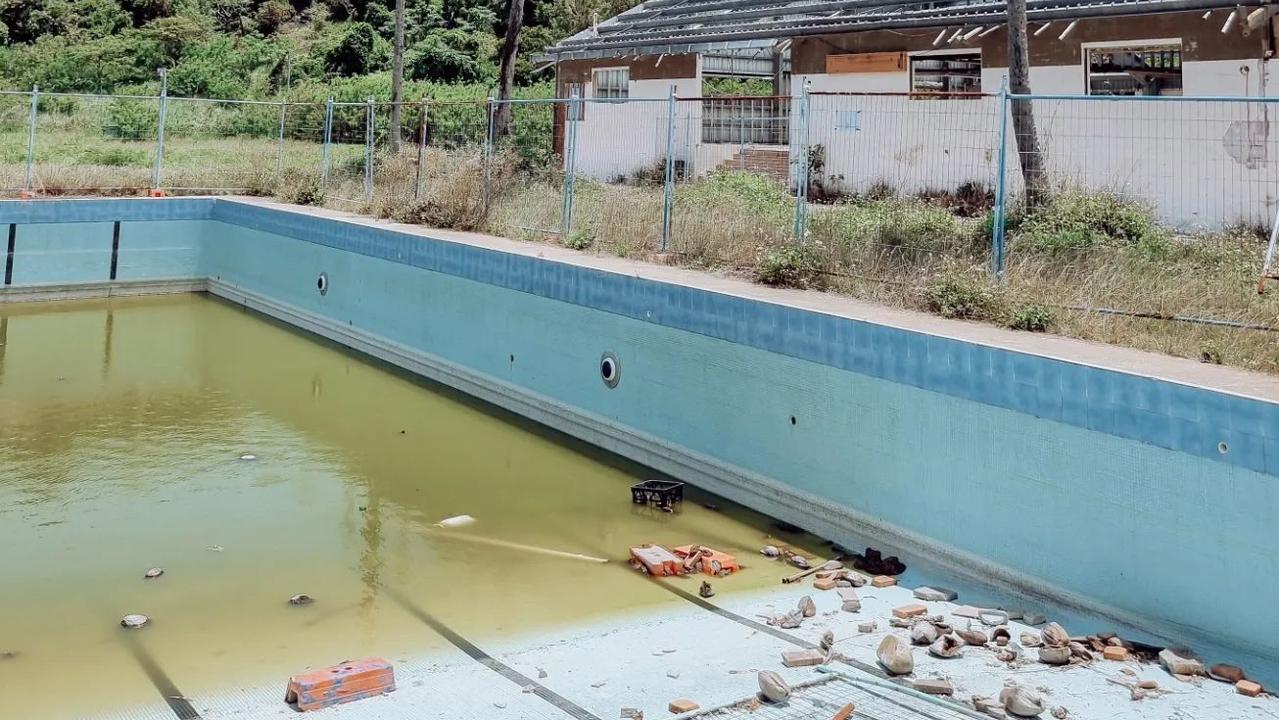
{"x": 1199, "y": 165}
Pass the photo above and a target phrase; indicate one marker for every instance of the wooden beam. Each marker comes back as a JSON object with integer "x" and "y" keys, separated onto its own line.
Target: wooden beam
{"x": 875, "y": 62}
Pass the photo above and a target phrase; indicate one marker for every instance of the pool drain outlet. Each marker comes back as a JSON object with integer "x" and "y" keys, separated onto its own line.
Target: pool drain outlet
{"x": 322, "y": 283}
{"x": 610, "y": 370}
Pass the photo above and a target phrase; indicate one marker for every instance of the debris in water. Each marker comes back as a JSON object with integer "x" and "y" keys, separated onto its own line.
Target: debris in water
{"x": 787, "y": 527}
{"x": 8, "y": 654}
{"x": 772, "y": 687}
{"x": 248, "y": 456}
{"x": 808, "y": 569}
{"x": 873, "y": 562}
{"x": 214, "y": 548}
{"x": 455, "y": 521}
{"x": 769, "y": 551}
{"x": 301, "y": 599}
{"x": 134, "y": 621}
{"x": 153, "y": 573}
{"x": 706, "y": 591}
{"x": 656, "y": 560}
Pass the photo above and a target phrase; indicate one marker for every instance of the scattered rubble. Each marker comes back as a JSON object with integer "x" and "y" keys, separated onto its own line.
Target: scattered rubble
{"x": 910, "y": 611}
{"x": 1115, "y": 652}
{"x": 972, "y": 637}
{"x": 895, "y": 656}
{"x": 824, "y": 584}
{"x": 807, "y": 607}
{"x": 923, "y": 633}
{"x": 632, "y": 714}
{"x": 301, "y": 599}
{"x": 1021, "y": 701}
{"x": 1177, "y": 664}
{"x": 827, "y": 641}
{"x": 706, "y": 591}
{"x": 866, "y": 627}
{"x": 883, "y": 581}
{"x": 873, "y": 562}
{"x": 934, "y": 686}
{"x": 1226, "y": 673}
{"x": 1060, "y": 712}
{"x": 946, "y": 646}
{"x": 844, "y": 712}
{"x": 808, "y": 570}
{"x": 772, "y": 687}
{"x": 1049, "y": 655}
{"x": 134, "y": 621}
{"x": 935, "y": 594}
{"x": 769, "y": 551}
{"x": 153, "y": 573}
{"x": 1248, "y": 688}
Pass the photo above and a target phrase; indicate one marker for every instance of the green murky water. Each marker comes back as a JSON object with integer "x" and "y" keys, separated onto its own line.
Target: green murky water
{"x": 122, "y": 425}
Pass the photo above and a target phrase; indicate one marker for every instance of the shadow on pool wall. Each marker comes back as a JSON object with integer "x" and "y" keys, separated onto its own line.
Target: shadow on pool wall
{"x": 1146, "y": 501}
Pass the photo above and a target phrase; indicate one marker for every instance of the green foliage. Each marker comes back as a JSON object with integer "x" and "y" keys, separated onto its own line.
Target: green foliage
{"x": 790, "y": 265}
{"x": 960, "y": 296}
{"x": 221, "y": 68}
{"x": 272, "y": 15}
{"x": 1074, "y": 222}
{"x": 356, "y": 53}
{"x": 579, "y": 240}
{"x": 728, "y": 86}
{"x": 1033, "y": 317}
{"x": 752, "y": 195}
{"x": 904, "y": 229}
{"x": 131, "y": 119}
{"x": 452, "y": 56}
{"x": 114, "y": 156}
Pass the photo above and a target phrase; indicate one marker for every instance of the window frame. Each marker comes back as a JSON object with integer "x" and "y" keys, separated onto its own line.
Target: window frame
{"x": 911, "y": 57}
{"x": 1085, "y": 50}
{"x": 625, "y": 88}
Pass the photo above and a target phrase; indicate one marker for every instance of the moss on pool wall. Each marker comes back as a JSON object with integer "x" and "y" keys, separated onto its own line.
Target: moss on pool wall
{"x": 999, "y": 454}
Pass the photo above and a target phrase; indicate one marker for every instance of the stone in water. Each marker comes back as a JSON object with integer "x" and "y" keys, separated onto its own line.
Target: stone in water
{"x": 154, "y": 573}
{"x": 134, "y": 621}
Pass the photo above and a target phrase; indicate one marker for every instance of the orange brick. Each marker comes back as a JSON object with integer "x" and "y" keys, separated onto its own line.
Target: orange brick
{"x": 1115, "y": 652}
{"x": 824, "y": 584}
{"x": 340, "y": 684}
{"x": 909, "y": 611}
{"x": 683, "y": 705}
{"x": 883, "y": 581}
{"x": 844, "y": 713}
{"x": 1248, "y": 687}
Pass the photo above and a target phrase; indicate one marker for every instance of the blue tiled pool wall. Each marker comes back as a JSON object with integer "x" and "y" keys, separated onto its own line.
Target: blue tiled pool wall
{"x": 1027, "y": 461}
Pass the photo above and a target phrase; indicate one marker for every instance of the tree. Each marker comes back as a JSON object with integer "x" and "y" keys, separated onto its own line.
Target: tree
{"x": 1032, "y": 162}
{"x": 355, "y": 52}
{"x": 506, "y": 71}
{"x": 397, "y": 77}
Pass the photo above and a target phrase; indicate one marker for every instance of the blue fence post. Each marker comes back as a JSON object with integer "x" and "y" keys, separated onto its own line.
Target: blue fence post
{"x": 1001, "y": 189}
{"x": 668, "y": 180}
{"x": 31, "y": 138}
{"x": 421, "y": 147}
{"x": 158, "y": 175}
{"x": 284, "y": 109}
{"x": 574, "y": 115}
{"x": 328, "y": 138}
{"x": 801, "y": 192}
{"x": 368, "y": 150}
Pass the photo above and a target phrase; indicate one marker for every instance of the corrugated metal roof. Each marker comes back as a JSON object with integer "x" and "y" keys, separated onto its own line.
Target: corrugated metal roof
{"x": 680, "y": 26}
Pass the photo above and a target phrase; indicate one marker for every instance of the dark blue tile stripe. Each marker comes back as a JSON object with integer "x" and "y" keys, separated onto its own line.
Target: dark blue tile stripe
{"x": 104, "y": 210}
{"x": 1158, "y": 412}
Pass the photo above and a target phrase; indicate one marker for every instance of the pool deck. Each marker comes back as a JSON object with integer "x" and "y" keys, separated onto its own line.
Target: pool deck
{"x": 1111, "y": 357}
{"x": 710, "y": 651}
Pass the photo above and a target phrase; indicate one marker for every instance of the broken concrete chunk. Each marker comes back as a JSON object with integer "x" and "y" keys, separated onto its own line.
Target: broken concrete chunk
{"x": 923, "y": 633}
{"x": 972, "y": 637}
{"x": 1033, "y": 619}
{"x": 866, "y": 627}
{"x": 934, "y": 686}
{"x": 807, "y": 607}
{"x": 632, "y": 714}
{"x": 1147, "y": 684}
{"x": 773, "y": 687}
{"x": 1054, "y": 655}
{"x": 895, "y": 656}
{"x": 153, "y": 573}
{"x": 935, "y": 594}
{"x": 1021, "y": 701}
{"x": 851, "y": 606}
{"x": 134, "y": 621}
{"x": 1226, "y": 673}
{"x": 1055, "y": 635}
{"x": 682, "y": 705}
{"x": 855, "y": 579}
{"x": 769, "y": 551}
{"x": 966, "y": 611}
{"x": 828, "y": 640}
{"x": 847, "y": 593}
{"x": 1031, "y": 639}
{"x": 1178, "y": 665}
{"x": 1078, "y": 650}
{"x": 947, "y": 646}
{"x": 802, "y": 658}
{"x": 993, "y": 617}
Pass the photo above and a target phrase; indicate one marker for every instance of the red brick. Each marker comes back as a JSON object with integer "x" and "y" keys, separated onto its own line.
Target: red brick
{"x": 824, "y": 584}
{"x": 910, "y": 611}
{"x": 683, "y": 705}
{"x": 883, "y": 581}
{"x": 1248, "y": 687}
{"x": 1115, "y": 652}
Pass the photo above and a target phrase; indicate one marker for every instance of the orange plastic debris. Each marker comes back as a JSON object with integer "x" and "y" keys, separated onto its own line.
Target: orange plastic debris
{"x": 157, "y": 193}
{"x": 341, "y": 683}
{"x": 712, "y": 561}
{"x": 26, "y": 195}
{"x": 656, "y": 560}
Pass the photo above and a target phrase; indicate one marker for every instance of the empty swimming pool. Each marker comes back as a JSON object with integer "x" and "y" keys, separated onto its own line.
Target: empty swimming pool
{"x": 123, "y": 424}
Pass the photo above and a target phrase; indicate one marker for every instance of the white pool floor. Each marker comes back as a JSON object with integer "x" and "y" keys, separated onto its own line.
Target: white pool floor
{"x": 710, "y": 651}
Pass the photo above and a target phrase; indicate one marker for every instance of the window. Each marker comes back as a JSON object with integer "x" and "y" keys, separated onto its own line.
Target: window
{"x": 933, "y": 76}
{"x": 612, "y": 83}
{"x": 1133, "y": 69}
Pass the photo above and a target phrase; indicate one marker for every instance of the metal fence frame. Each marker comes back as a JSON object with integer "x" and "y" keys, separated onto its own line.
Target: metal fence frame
{"x": 798, "y": 123}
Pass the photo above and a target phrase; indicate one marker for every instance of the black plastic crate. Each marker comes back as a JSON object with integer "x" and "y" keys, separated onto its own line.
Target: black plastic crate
{"x": 663, "y": 493}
